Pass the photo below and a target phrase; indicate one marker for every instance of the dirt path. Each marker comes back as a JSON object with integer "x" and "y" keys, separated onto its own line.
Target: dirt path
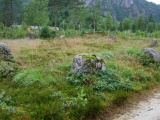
{"x": 144, "y": 110}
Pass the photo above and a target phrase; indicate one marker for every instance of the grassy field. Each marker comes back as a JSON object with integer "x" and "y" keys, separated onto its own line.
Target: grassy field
{"x": 44, "y": 88}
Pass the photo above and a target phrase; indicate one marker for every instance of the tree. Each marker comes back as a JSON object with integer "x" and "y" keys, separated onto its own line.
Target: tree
{"x": 36, "y": 12}
{"x": 126, "y": 24}
{"x": 150, "y": 27}
{"x": 109, "y": 22}
{"x": 151, "y": 19}
{"x": 75, "y": 12}
{"x": 54, "y": 7}
{"x": 141, "y": 23}
{"x": 96, "y": 10}
{"x": 10, "y": 10}
{"x": 135, "y": 25}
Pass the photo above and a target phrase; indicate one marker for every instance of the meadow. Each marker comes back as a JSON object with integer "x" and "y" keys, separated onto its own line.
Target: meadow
{"x": 45, "y": 89}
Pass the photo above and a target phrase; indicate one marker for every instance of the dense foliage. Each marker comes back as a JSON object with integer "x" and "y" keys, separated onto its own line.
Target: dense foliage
{"x": 74, "y": 15}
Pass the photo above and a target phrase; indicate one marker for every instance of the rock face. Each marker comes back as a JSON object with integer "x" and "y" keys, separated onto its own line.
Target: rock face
{"x": 87, "y": 63}
{"x": 152, "y": 53}
{"x": 5, "y": 52}
{"x": 154, "y": 43}
{"x": 120, "y": 9}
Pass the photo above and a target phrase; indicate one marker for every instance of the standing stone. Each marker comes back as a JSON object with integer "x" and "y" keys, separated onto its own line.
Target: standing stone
{"x": 87, "y": 63}
{"x": 152, "y": 53}
{"x": 5, "y": 52}
{"x": 154, "y": 43}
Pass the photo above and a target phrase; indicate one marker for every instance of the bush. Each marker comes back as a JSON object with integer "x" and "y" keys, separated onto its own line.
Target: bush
{"x": 45, "y": 32}
{"x": 104, "y": 80}
{"x": 15, "y": 33}
{"x": 8, "y": 69}
{"x": 141, "y": 75}
{"x": 30, "y": 76}
{"x": 73, "y": 33}
{"x": 133, "y": 50}
{"x": 146, "y": 60}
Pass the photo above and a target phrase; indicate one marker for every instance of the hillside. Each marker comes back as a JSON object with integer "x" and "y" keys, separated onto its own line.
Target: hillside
{"x": 123, "y": 8}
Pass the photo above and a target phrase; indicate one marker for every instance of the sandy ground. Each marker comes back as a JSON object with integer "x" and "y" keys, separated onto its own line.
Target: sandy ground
{"x": 145, "y": 110}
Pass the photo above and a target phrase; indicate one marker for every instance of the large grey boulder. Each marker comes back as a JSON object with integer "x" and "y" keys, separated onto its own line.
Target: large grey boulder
{"x": 152, "y": 53}
{"x": 5, "y": 52}
{"x": 87, "y": 63}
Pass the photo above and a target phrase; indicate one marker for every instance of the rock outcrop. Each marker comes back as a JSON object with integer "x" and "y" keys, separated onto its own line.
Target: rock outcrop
{"x": 5, "y": 52}
{"x": 152, "y": 53}
{"x": 87, "y": 63}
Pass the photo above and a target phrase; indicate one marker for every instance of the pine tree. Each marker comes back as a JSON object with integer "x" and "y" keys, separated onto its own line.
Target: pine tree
{"x": 36, "y": 13}
{"x": 9, "y": 11}
{"x": 109, "y": 22}
{"x": 126, "y": 24}
{"x": 135, "y": 25}
{"x": 141, "y": 23}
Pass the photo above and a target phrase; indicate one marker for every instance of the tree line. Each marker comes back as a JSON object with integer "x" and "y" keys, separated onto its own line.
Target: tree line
{"x": 70, "y": 14}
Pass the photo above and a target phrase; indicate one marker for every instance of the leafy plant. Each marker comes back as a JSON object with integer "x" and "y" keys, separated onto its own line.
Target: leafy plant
{"x": 45, "y": 32}
{"x": 104, "y": 80}
{"x": 146, "y": 60}
{"x": 6, "y": 103}
{"x": 133, "y": 50}
{"x": 29, "y": 76}
{"x": 8, "y": 69}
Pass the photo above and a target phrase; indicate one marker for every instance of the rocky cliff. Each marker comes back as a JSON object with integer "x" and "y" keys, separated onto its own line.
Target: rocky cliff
{"x": 123, "y": 8}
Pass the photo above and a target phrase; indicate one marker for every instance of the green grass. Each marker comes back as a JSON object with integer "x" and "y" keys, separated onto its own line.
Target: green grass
{"x": 44, "y": 89}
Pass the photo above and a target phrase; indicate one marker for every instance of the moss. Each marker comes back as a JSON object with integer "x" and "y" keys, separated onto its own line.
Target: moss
{"x": 88, "y": 56}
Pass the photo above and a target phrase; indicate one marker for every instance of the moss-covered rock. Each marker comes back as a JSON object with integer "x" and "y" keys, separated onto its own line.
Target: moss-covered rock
{"x": 87, "y": 63}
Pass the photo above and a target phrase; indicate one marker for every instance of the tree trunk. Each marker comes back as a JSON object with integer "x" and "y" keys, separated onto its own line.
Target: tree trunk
{"x": 11, "y": 13}
{"x": 55, "y": 13}
{"x": 75, "y": 17}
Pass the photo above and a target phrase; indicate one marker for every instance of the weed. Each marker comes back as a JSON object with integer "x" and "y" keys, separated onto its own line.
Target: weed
{"x": 29, "y": 76}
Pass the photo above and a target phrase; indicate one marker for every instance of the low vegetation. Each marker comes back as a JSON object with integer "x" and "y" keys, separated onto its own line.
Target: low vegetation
{"x": 45, "y": 89}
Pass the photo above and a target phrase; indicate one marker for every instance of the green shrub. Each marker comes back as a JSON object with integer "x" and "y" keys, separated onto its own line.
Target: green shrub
{"x": 30, "y": 76}
{"x": 146, "y": 60}
{"x": 104, "y": 80}
{"x": 45, "y": 32}
{"x": 72, "y": 33}
{"x": 15, "y": 33}
{"x": 133, "y": 50}
{"x": 141, "y": 75}
{"x": 8, "y": 69}
{"x": 6, "y": 103}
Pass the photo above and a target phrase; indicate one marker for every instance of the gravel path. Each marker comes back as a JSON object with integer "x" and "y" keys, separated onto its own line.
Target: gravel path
{"x": 145, "y": 110}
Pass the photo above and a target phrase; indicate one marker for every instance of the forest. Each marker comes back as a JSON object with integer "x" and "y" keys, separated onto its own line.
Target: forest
{"x": 69, "y": 16}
